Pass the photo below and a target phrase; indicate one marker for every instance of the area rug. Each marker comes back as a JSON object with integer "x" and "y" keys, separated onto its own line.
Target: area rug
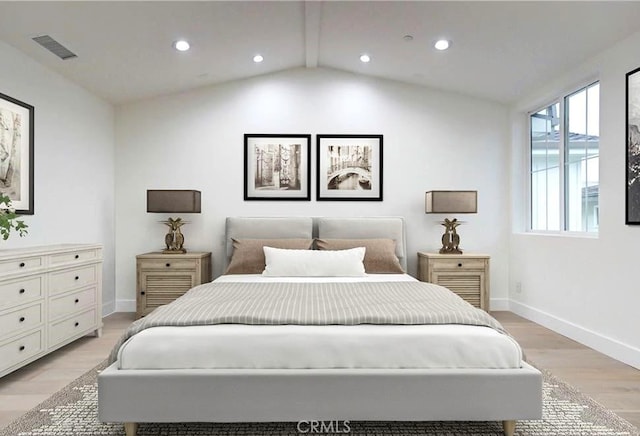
{"x": 566, "y": 412}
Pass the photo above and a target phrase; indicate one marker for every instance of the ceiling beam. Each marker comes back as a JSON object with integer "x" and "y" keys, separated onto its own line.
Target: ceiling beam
{"x": 312, "y": 15}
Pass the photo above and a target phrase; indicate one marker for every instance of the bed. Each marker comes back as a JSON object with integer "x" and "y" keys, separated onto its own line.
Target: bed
{"x": 351, "y": 382}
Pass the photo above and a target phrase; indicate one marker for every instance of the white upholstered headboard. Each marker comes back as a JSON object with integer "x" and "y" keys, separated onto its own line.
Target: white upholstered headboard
{"x": 318, "y": 227}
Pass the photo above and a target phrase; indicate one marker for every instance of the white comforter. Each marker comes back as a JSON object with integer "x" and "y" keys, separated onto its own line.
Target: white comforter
{"x": 308, "y": 346}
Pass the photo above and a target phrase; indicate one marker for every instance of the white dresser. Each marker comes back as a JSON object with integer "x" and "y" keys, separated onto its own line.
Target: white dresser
{"x": 49, "y": 296}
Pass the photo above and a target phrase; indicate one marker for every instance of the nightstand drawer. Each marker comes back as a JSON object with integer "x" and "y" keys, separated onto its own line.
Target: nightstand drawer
{"x": 14, "y": 322}
{"x": 168, "y": 264}
{"x": 74, "y": 278}
{"x": 21, "y": 291}
{"x": 460, "y": 263}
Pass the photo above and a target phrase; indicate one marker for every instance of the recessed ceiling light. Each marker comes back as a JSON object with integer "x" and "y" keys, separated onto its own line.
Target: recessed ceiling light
{"x": 365, "y": 58}
{"x": 442, "y": 44}
{"x": 408, "y": 38}
{"x": 181, "y": 45}
{"x": 258, "y": 58}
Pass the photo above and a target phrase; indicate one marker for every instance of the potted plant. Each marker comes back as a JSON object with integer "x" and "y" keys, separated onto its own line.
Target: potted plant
{"x": 9, "y": 219}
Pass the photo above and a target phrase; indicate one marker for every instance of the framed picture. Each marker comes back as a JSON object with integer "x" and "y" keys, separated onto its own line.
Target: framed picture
{"x": 349, "y": 167}
{"x": 16, "y": 153}
{"x": 632, "y": 215}
{"x": 277, "y": 167}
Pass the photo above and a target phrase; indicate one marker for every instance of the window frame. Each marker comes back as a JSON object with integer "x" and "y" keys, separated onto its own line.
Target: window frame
{"x": 560, "y": 99}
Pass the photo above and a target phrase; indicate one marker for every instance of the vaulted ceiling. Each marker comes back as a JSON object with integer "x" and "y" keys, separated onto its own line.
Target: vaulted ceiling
{"x": 500, "y": 50}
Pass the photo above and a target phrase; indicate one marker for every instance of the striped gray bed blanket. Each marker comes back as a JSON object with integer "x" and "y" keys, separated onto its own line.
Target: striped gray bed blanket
{"x": 313, "y": 304}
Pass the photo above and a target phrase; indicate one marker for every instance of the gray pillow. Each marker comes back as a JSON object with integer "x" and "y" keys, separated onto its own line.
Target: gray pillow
{"x": 380, "y": 255}
{"x": 248, "y": 254}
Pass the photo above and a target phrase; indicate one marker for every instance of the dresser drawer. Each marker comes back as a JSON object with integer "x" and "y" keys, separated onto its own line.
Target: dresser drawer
{"x": 74, "y": 256}
{"x": 73, "y": 278}
{"x": 16, "y": 292}
{"x": 65, "y": 329}
{"x": 20, "y": 349}
{"x": 71, "y": 303}
{"x": 12, "y": 323}
{"x": 20, "y": 264}
{"x": 452, "y": 264}
{"x": 168, "y": 264}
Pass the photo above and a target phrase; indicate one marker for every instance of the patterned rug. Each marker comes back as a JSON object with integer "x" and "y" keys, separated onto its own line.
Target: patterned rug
{"x": 566, "y": 412}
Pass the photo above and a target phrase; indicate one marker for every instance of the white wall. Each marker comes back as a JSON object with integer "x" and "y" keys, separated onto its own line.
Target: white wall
{"x": 194, "y": 140}
{"x": 585, "y": 288}
{"x": 74, "y": 161}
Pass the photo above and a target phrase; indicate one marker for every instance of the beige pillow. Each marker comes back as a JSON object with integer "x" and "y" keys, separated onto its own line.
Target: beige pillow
{"x": 379, "y": 257}
{"x": 248, "y": 254}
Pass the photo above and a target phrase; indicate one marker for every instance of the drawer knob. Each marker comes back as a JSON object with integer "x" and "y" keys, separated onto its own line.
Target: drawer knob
{"x": 22, "y": 347}
{"x": 142, "y": 293}
{"x": 21, "y": 291}
{"x": 77, "y": 324}
{"x": 77, "y": 256}
{"x": 459, "y": 265}
{"x": 77, "y": 277}
{"x": 22, "y": 319}
{"x": 77, "y": 300}
{"x": 168, "y": 265}
{"x": 21, "y": 264}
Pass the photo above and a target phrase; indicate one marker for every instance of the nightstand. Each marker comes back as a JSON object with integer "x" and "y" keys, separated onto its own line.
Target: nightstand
{"x": 161, "y": 278}
{"x": 465, "y": 274}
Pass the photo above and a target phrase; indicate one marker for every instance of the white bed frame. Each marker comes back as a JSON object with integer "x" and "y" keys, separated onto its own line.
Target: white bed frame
{"x": 272, "y": 395}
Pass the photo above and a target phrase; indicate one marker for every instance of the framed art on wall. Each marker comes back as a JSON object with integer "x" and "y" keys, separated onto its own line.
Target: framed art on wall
{"x": 277, "y": 167}
{"x": 16, "y": 153}
{"x": 632, "y": 215}
{"x": 349, "y": 167}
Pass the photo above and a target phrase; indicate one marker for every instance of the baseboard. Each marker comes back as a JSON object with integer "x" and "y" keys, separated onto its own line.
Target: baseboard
{"x": 125, "y": 305}
{"x": 499, "y": 304}
{"x": 609, "y": 346}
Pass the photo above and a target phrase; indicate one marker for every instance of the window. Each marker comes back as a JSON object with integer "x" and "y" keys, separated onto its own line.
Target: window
{"x": 564, "y": 172}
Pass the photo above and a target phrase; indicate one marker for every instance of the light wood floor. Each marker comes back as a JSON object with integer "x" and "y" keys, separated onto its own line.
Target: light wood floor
{"x": 611, "y": 383}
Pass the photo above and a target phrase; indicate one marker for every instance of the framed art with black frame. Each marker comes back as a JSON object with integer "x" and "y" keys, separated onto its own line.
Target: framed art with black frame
{"x": 16, "y": 153}
{"x": 349, "y": 167}
{"x": 277, "y": 167}
{"x": 632, "y": 213}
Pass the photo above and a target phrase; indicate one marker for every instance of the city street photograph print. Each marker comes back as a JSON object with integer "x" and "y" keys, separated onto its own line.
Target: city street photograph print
{"x": 277, "y": 167}
{"x": 349, "y": 167}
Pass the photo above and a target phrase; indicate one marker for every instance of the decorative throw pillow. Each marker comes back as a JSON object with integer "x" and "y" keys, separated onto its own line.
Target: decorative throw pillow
{"x": 311, "y": 263}
{"x": 380, "y": 256}
{"x": 248, "y": 254}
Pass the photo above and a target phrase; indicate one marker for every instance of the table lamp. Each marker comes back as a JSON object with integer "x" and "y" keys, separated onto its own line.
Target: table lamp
{"x": 451, "y": 202}
{"x": 173, "y": 201}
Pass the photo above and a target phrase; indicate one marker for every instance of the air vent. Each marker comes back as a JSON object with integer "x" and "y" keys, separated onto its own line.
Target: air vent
{"x": 55, "y": 47}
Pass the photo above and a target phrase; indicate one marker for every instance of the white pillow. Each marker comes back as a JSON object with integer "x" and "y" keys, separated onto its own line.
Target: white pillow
{"x": 313, "y": 263}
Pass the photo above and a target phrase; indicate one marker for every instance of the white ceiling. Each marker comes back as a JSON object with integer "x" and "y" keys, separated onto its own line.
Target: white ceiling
{"x": 500, "y": 50}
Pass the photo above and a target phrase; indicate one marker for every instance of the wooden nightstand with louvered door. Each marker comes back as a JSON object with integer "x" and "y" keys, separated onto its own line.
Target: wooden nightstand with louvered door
{"x": 161, "y": 278}
{"x": 465, "y": 274}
